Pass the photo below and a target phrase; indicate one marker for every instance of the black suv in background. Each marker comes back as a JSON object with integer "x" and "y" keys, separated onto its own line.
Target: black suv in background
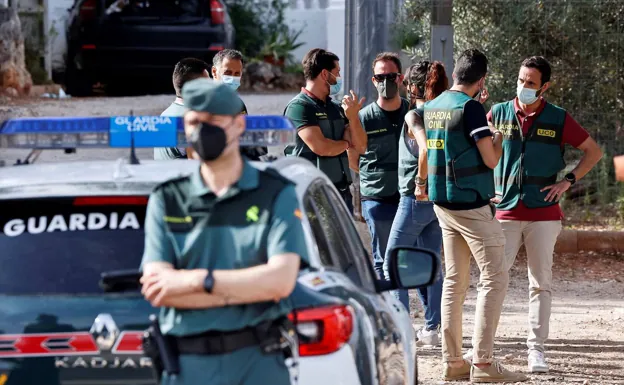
{"x": 121, "y": 42}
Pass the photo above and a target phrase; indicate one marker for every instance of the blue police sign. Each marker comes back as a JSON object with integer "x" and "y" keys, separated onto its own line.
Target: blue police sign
{"x": 148, "y": 131}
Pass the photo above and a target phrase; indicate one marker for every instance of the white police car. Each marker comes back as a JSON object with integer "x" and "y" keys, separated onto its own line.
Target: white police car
{"x": 64, "y": 224}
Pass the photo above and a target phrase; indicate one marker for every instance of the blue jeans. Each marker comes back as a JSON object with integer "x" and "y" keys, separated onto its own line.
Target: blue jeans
{"x": 379, "y": 217}
{"x": 416, "y": 225}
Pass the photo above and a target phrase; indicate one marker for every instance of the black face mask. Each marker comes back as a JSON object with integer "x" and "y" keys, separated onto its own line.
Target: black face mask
{"x": 208, "y": 141}
{"x": 387, "y": 89}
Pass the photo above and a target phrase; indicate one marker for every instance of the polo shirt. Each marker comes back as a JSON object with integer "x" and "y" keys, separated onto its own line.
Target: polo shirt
{"x": 242, "y": 228}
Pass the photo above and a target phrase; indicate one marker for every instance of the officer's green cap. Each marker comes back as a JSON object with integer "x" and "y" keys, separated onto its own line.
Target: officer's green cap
{"x": 207, "y": 95}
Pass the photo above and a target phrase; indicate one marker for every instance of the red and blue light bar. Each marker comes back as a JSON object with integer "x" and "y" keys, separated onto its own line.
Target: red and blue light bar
{"x": 120, "y": 131}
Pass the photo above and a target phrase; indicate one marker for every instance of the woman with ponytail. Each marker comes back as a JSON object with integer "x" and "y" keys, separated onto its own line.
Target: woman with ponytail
{"x": 415, "y": 223}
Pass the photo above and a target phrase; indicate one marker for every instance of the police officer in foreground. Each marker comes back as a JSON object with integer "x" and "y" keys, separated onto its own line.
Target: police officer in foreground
{"x": 223, "y": 247}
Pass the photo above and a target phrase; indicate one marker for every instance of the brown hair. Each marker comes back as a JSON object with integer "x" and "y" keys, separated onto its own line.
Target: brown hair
{"x": 428, "y": 77}
{"x": 317, "y": 60}
{"x": 388, "y": 56}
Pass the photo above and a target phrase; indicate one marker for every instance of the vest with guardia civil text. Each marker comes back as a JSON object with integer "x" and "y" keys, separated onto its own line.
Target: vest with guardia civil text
{"x": 529, "y": 163}
{"x": 456, "y": 171}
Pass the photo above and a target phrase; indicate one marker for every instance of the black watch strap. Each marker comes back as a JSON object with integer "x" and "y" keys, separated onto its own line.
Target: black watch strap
{"x": 570, "y": 177}
{"x": 209, "y": 282}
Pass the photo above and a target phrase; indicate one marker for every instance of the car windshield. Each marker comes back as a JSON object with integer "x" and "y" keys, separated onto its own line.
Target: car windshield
{"x": 61, "y": 246}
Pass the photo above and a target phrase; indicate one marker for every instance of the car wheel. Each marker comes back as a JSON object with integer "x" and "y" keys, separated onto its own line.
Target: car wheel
{"x": 77, "y": 82}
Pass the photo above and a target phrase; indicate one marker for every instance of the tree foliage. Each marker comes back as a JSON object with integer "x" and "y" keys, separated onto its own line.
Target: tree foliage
{"x": 255, "y": 22}
{"x": 582, "y": 39}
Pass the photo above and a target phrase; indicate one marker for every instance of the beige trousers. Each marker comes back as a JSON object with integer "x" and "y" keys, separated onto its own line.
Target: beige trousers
{"x": 476, "y": 232}
{"x": 539, "y": 240}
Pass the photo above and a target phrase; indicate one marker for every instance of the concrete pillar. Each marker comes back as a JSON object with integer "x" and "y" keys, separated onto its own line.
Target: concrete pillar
{"x": 442, "y": 35}
{"x": 336, "y": 32}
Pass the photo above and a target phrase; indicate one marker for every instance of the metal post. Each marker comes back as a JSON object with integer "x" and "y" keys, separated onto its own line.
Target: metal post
{"x": 442, "y": 34}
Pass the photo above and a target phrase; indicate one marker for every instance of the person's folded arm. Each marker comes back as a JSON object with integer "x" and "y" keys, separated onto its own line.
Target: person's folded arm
{"x": 267, "y": 282}
{"x": 303, "y": 117}
{"x": 313, "y": 137}
{"x": 357, "y": 135}
{"x": 352, "y": 154}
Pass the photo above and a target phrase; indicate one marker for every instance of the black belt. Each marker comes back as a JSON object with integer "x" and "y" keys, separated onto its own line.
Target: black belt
{"x": 213, "y": 343}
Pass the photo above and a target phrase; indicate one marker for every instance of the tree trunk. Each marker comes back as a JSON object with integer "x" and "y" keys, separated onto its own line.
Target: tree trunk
{"x": 14, "y": 78}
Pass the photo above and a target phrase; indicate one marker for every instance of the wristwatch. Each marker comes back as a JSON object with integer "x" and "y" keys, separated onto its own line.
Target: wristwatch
{"x": 420, "y": 181}
{"x": 570, "y": 177}
{"x": 209, "y": 282}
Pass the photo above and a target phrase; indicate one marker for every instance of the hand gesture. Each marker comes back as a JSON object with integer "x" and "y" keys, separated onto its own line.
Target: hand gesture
{"x": 351, "y": 106}
{"x": 556, "y": 190}
{"x": 420, "y": 193}
{"x": 484, "y": 96}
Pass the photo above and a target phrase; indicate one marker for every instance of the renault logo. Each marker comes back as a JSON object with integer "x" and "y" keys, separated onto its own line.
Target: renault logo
{"x": 104, "y": 331}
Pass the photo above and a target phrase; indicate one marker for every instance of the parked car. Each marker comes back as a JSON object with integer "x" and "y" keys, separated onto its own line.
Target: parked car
{"x": 120, "y": 42}
{"x": 65, "y": 227}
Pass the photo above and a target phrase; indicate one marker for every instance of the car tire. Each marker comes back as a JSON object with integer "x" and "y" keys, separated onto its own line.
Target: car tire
{"x": 77, "y": 82}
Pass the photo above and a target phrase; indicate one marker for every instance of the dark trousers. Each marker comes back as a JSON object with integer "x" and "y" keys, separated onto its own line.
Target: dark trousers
{"x": 345, "y": 193}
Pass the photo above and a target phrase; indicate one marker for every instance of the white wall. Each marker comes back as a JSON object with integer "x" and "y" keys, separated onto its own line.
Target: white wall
{"x": 56, "y": 14}
{"x": 322, "y": 22}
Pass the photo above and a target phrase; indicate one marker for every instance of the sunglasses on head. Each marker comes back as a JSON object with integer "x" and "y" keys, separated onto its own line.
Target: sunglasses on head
{"x": 381, "y": 77}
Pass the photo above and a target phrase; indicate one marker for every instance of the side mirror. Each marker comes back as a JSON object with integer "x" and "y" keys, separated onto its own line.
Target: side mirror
{"x": 412, "y": 267}
{"x": 120, "y": 280}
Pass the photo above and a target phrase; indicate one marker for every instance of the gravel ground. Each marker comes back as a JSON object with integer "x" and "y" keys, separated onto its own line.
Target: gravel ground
{"x": 586, "y": 344}
{"x": 587, "y": 324}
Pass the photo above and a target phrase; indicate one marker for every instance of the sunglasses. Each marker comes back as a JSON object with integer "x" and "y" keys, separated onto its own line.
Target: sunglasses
{"x": 391, "y": 76}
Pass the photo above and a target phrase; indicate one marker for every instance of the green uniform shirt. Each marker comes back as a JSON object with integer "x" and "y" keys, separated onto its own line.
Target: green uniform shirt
{"x": 188, "y": 226}
{"x": 166, "y": 153}
{"x": 379, "y": 164}
{"x": 305, "y": 110}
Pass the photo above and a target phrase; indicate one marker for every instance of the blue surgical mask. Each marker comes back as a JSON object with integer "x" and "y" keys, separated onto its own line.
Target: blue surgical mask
{"x": 335, "y": 88}
{"x": 231, "y": 81}
{"x": 527, "y": 96}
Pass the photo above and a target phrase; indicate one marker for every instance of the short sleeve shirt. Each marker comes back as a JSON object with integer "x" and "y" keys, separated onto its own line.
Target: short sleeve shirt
{"x": 304, "y": 115}
{"x": 475, "y": 122}
{"x": 224, "y": 232}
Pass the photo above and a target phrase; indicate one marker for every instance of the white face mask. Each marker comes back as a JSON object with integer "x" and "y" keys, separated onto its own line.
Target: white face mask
{"x": 527, "y": 96}
{"x": 231, "y": 81}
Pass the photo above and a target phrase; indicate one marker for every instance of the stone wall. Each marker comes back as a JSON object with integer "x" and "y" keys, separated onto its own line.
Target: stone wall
{"x": 14, "y": 78}
{"x": 262, "y": 77}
